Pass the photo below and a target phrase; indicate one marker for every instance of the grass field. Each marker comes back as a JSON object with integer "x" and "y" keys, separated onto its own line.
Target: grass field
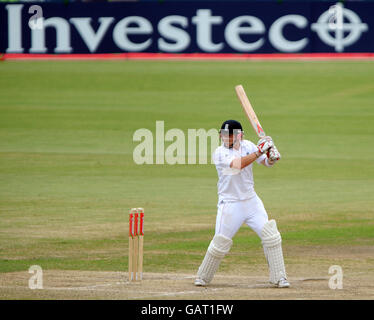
{"x": 68, "y": 178}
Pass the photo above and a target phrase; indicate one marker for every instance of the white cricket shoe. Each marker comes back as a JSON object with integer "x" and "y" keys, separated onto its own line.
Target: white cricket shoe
{"x": 199, "y": 282}
{"x": 283, "y": 283}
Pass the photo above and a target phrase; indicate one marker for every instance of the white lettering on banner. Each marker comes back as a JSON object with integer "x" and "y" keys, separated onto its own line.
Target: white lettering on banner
{"x": 14, "y": 28}
{"x": 136, "y": 33}
{"x": 168, "y": 30}
{"x": 235, "y": 28}
{"x": 62, "y": 36}
{"x": 204, "y": 21}
{"x": 90, "y": 38}
{"x": 277, "y": 38}
{"x": 123, "y": 29}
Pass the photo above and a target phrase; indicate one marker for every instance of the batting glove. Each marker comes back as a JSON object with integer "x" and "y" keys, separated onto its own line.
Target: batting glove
{"x": 273, "y": 154}
{"x": 264, "y": 144}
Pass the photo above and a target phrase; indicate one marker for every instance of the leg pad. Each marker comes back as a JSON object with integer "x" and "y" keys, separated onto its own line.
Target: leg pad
{"x": 272, "y": 243}
{"x": 218, "y": 248}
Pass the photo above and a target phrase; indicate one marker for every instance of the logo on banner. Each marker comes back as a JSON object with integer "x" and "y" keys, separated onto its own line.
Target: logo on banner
{"x": 335, "y": 32}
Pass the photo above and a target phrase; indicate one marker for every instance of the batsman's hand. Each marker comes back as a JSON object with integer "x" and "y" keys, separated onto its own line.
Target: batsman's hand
{"x": 273, "y": 154}
{"x": 264, "y": 145}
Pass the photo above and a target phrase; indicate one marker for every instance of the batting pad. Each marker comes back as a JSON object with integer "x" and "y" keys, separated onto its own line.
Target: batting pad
{"x": 272, "y": 243}
{"x": 218, "y": 248}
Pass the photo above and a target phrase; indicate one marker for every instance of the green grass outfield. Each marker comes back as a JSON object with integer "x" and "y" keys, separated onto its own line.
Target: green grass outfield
{"x": 67, "y": 177}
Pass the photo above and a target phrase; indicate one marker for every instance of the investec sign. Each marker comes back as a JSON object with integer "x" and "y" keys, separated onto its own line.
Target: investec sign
{"x": 201, "y": 31}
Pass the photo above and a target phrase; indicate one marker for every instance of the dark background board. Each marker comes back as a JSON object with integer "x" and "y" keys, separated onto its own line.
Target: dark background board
{"x": 267, "y": 12}
{"x": 184, "y": 309}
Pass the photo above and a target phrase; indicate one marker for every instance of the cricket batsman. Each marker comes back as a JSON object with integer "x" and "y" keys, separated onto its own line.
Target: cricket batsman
{"x": 238, "y": 203}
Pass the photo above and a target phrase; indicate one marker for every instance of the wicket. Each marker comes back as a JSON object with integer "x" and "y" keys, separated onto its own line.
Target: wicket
{"x": 136, "y": 235}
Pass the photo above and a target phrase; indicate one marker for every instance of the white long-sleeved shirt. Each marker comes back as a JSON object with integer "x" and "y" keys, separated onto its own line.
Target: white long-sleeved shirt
{"x": 234, "y": 184}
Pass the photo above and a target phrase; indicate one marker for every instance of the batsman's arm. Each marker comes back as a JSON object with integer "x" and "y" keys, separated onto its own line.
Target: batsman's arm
{"x": 263, "y": 146}
{"x": 242, "y": 162}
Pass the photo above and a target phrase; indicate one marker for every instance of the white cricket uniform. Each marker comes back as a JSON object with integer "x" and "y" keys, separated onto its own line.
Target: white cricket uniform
{"x": 238, "y": 202}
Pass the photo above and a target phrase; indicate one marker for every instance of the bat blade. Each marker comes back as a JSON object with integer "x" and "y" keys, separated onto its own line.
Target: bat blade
{"x": 250, "y": 113}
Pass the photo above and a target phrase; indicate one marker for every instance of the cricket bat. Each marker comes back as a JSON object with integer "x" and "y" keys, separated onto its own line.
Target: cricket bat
{"x": 250, "y": 113}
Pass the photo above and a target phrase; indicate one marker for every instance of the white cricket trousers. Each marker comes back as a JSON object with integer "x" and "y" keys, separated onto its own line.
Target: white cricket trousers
{"x": 232, "y": 215}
